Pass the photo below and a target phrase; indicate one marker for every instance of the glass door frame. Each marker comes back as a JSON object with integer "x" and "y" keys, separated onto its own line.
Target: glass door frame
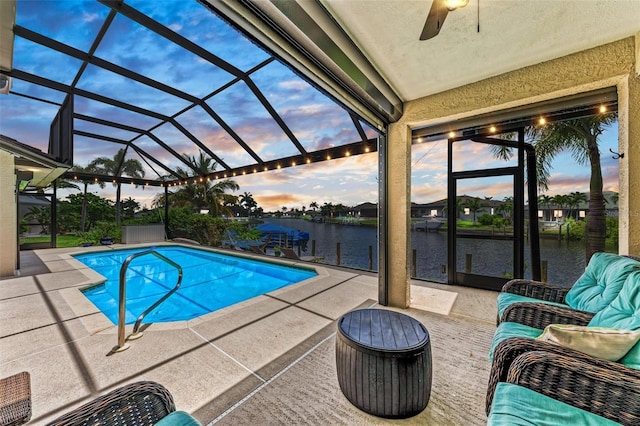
{"x": 524, "y": 150}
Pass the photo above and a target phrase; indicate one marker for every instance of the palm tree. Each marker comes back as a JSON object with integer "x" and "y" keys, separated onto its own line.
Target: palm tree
{"x": 248, "y": 203}
{"x": 545, "y": 200}
{"x": 204, "y": 194}
{"x": 459, "y": 207}
{"x": 118, "y": 166}
{"x": 313, "y": 206}
{"x": 560, "y": 201}
{"x": 89, "y": 169}
{"x": 506, "y": 208}
{"x": 474, "y": 205}
{"x": 327, "y": 209}
{"x": 575, "y": 199}
{"x": 580, "y": 137}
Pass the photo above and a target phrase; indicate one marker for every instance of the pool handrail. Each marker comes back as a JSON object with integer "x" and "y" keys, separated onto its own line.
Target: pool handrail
{"x": 122, "y": 345}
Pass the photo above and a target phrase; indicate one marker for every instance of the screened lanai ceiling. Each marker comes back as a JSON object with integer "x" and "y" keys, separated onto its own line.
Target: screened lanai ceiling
{"x": 164, "y": 81}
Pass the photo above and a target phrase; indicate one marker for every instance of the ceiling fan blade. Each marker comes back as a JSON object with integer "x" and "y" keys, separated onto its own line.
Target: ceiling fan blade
{"x": 435, "y": 19}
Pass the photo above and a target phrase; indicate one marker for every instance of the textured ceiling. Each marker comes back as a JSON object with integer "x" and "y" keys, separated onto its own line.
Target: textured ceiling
{"x": 513, "y": 34}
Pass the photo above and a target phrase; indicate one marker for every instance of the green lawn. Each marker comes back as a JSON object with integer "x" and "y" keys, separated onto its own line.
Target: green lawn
{"x": 69, "y": 240}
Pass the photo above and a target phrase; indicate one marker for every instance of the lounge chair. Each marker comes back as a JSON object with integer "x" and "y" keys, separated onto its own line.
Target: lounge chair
{"x": 140, "y": 403}
{"x": 257, "y": 250}
{"x": 291, "y": 254}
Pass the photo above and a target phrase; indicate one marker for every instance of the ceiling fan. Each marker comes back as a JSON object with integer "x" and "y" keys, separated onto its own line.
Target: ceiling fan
{"x": 437, "y": 15}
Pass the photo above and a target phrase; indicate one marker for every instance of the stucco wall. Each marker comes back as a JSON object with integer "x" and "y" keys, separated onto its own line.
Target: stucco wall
{"x": 8, "y": 211}
{"x": 610, "y": 65}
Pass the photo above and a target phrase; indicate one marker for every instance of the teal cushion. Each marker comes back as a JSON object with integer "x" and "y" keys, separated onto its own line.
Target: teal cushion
{"x": 601, "y": 281}
{"x": 506, "y": 299}
{"x": 512, "y": 329}
{"x": 515, "y": 405}
{"x": 632, "y": 358}
{"x": 624, "y": 311}
{"x": 178, "y": 418}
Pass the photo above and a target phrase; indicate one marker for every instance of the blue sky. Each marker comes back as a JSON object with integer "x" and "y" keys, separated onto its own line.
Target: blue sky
{"x": 315, "y": 120}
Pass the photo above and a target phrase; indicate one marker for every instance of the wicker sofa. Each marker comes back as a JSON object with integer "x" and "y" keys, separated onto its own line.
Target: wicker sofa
{"x": 141, "y": 403}
{"x": 571, "y": 386}
{"x": 538, "y": 304}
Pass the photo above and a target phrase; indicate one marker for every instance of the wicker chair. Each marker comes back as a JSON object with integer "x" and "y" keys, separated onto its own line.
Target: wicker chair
{"x": 140, "y": 403}
{"x": 539, "y": 315}
{"x": 552, "y": 307}
{"x": 607, "y": 389}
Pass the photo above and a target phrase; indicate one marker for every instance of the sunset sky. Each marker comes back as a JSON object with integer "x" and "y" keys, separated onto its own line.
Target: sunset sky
{"x": 315, "y": 120}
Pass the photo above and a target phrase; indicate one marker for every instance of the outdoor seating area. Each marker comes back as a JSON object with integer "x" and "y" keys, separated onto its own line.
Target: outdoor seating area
{"x": 569, "y": 355}
{"x": 269, "y": 360}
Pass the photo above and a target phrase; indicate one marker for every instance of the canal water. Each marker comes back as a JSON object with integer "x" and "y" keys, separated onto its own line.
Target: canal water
{"x": 565, "y": 259}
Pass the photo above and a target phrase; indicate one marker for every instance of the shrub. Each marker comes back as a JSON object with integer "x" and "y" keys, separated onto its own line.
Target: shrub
{"x": 485, "y": 220}
{"x": 576, "y": 229}
{"x": 205, "y": 229}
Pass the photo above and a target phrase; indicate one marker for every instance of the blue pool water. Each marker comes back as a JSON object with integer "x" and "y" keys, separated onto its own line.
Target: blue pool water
{"x": 210, "y": 281}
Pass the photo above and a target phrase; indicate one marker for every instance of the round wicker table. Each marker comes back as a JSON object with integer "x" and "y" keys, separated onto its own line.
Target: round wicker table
{"x": 383, "y": 361}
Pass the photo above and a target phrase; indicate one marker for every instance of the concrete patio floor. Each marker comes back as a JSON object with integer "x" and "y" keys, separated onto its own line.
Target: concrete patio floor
{"x": 268, "y": 360}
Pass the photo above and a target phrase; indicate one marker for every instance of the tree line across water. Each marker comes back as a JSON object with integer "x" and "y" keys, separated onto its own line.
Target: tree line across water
{"x": 578, "y": 136}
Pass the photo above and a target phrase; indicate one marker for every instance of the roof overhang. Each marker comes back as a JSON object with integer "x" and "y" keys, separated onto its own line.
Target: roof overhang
{"x": 32, "y": 166}
{"x": 306, "y": 36}
{"x": 373, "y": 47}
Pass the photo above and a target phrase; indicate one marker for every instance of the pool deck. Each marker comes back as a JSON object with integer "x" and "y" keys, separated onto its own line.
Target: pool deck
{"x": 268, "y": 360}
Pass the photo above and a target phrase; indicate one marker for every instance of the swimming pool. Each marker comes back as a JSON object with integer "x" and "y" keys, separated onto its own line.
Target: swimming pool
{"x": 211, "y": 281}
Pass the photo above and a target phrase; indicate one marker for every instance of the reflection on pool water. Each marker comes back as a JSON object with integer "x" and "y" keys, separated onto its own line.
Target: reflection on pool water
{"x": 211, "y": 281}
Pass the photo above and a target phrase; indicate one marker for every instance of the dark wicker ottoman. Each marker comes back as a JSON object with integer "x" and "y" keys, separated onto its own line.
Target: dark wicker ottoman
{"x": 383, "y": 360}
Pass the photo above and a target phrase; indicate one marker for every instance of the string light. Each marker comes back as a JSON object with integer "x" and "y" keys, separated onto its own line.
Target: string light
{"x": 308, "y": 160}
{"x": 492, "y": 129}
{"x": 452, "y": 134}
{"x": 542, "y": 121}
{"x": 367, "y": 149}
{"x": 603, "y": 109}
{"x": 347, "y": 154}
{"x": 328, "y": 157}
